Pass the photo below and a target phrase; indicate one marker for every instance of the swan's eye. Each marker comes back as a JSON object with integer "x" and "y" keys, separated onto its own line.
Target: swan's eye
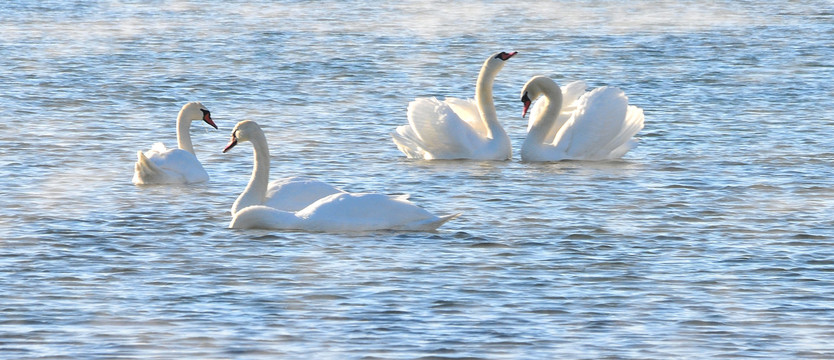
{"x": 501, "y": 56}
{"x": 525, "y": 98}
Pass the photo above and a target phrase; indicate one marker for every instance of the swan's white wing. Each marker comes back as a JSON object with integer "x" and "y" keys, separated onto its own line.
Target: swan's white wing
{"x": 364, "y": 212}
{"x": 624, "y": 141}
{"x": 407, "y": 141}
{"x": 170, "y": 166}
{"x": 599, "y": 118}
{"x": 296, "y": 193}
{"x": 572, "y": 92}
{"x": 440, "y": 131}
{"x": 467, "y": 110}
{"x": 182, "y": 162}
{"x": 145, "y": 172}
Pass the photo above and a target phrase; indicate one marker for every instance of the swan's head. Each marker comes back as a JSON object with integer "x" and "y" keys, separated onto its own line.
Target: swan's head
{"x": 196, "y": 111}
{"x": 498, "y": 59}
{"x": 243, "y": 131}
{"x": 533, "y": 89}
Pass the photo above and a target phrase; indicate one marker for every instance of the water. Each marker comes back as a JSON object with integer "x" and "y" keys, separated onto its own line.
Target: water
{"x": 714, "y": 238}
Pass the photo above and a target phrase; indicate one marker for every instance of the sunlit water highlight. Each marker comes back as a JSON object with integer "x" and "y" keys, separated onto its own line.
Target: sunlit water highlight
{"x": 714, "y": 238}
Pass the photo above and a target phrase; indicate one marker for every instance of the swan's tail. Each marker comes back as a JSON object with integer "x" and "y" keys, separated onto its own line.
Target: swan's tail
{"x": 145, "y": 170}
{"x": 431, "y": 224}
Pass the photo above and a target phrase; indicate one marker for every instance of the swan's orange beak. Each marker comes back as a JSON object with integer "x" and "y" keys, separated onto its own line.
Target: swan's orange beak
{"x": 526, "y": 100}
{"x": 231, "y": 144}
{"x": 207, "y": 118}
{"x": 507, "y": 56}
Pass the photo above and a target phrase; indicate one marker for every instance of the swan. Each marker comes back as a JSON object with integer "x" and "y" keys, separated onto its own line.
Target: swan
{"x": 339, "y": 211}
{"x": 456, "y": 128}
{"x": 174, "y": 166}
{"x": 572, "y": 124}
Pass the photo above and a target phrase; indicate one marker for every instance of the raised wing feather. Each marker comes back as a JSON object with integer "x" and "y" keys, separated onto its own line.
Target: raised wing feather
{"x": 623, "y": 142}
{"x": 439, "y": 130}
{"x": 406, "y": 140}
{"x": 572, "y": 92}
{"x": 467, "y": 110}
{"x": 598, "y": 119}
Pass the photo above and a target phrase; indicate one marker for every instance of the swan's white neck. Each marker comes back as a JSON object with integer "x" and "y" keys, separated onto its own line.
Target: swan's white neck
{"x": 545, "y": 122}
{"x": 184, "y": 132}
{"x": 255, "y": 192}
{"x": 483, "y": 95}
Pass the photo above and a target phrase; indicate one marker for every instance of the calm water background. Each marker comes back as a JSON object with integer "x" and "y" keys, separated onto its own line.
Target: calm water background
{"x": 714, "y": 238}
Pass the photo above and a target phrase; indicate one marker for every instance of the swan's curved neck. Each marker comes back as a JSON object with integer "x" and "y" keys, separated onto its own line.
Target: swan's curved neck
{"x": 483, "y": 95}
{"x": 255, "y": 192}
{"x": 545, "y": 121}
{"x": 184, "y": 133}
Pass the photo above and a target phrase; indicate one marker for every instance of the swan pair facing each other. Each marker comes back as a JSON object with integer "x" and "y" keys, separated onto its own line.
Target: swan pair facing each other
{"x": 299, "y": 203}
{"x": 567, "y": 124}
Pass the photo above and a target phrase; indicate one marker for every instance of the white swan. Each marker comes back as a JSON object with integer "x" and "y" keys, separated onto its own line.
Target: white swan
{"x": 456, "y": 128}
{"x": 571, "y": 124}
{"x": 174, "y": 166}
{"x": 337, "y": 212}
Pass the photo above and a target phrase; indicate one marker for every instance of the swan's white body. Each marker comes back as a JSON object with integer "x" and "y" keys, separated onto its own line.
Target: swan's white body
{"x": 343, "y": 212}
{"x": 337, "y": 211}
{"x": 174, "y": 166}
{"x": 456, "y": 128}
{"x": 168, "y": 166}
{"x": 571, "y": 124}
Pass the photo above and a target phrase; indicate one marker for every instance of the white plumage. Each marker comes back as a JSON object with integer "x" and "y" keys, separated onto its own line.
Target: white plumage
{"x": 336, "y": 211}
{"x": 571, "y": 124}
{"x": 456, "y": 128}
{"x": 161, "y": 165}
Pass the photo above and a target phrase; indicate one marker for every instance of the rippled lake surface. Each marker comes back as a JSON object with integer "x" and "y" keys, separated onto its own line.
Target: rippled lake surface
{"x": 713, "y": 239}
